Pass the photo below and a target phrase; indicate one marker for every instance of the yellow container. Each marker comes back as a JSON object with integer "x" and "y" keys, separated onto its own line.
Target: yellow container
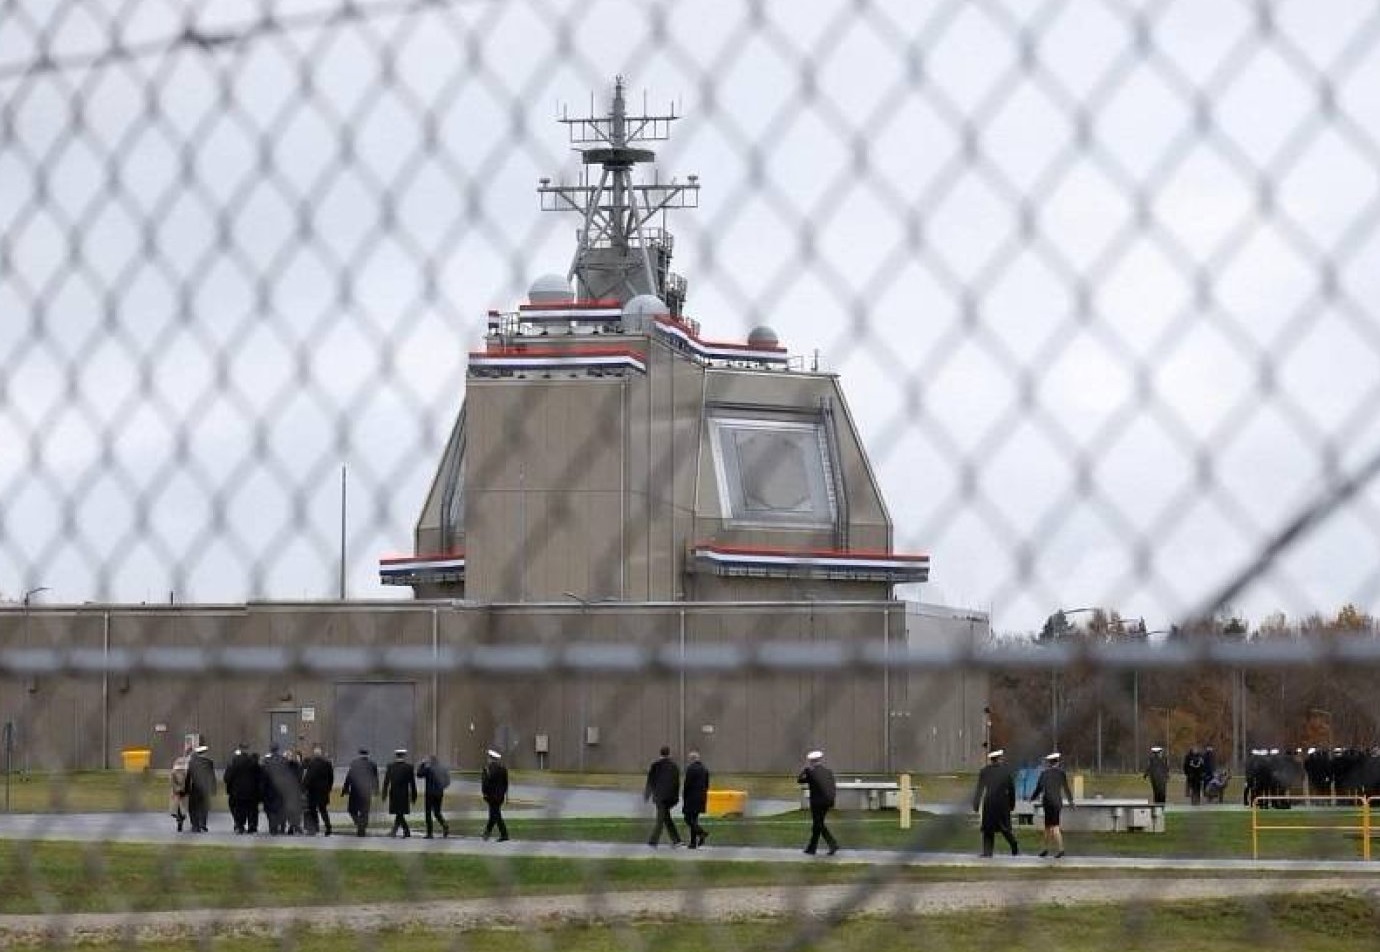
{"x": 726, "y": 803}
{"x": 136, "y": 759}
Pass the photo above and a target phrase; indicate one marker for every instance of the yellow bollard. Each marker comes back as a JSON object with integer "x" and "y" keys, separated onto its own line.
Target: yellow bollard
{"x": 1255, "y": 828}
{"x": 903, "y": 799}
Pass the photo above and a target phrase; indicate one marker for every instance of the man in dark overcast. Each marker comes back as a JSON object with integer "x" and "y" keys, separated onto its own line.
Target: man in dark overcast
{"x": 695, "y": 797}
{"x": 819, "y": 780}
{"x": 400, "y": 790}
{"x": 995, "y": 798}
{"x": 663, "y": 789}
{"x": 361, "y": 782}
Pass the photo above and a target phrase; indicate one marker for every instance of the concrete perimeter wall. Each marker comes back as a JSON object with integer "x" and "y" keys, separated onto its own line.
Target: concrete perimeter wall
{"x": 742, "y": 720}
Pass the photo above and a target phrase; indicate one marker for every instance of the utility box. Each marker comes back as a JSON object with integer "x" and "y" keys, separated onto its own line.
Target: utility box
{"x": 136, "y": 759}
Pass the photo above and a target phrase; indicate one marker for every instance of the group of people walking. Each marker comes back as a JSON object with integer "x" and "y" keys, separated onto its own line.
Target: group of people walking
{"x": 665, "y": 789}
{"x": 994, "y": 800}
{"x": 293, "y": 793}
{"x": 193, "y": 780}
{"x": 1281, "y": 775}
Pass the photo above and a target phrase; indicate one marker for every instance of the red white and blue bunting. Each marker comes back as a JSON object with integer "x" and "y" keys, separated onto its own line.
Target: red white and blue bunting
{"x": 718, "y": 351}
{"x": 422, "y": 569}
{"x": 768, "y": 562}
{"x": 507, "y": 360}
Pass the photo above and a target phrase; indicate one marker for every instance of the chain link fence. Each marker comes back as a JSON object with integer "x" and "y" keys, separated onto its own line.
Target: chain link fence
{"x": 1096, "y": 279}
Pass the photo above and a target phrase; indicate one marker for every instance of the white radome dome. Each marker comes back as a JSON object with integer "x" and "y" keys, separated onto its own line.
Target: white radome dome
{"x": 550, "y": 289}
{"x": 646, "y": 305}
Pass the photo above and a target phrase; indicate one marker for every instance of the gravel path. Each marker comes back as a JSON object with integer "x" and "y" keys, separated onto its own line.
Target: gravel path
{"x": 716, "y": 905}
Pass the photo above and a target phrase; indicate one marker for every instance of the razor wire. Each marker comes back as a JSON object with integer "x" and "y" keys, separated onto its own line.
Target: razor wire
{"x": 272, "y": 221}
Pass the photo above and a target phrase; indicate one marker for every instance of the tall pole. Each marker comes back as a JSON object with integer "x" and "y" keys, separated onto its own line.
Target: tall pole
{"x": 343, "y": 500}
{"x": 1099, "y": 725}
{"x": 1135, "y": 717}
{"x": 1054, "y": 676}
{"x": 684, "y": 740}
{"x": 1054, "y": 708}
{"x": 9, "y": 756}
{"x": 584, "y": 684}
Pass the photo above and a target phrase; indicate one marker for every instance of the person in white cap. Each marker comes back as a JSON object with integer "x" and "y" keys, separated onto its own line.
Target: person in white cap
{"x": 201, "y": 787}
{"x": 819, "y": 779}
{"x": 493, "y": 784}
{"x": 400, "y": 790}
{"x": 1157, "y": 772}
{"x": 1052, "y": 789}
{"x": 994, "y": 798}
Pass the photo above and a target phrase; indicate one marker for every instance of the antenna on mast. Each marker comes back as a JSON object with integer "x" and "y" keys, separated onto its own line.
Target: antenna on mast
{"x": 619, "y": 255}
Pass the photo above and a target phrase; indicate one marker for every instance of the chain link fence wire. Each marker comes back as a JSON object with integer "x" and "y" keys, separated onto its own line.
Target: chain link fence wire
{"x": 1097, "y": 279}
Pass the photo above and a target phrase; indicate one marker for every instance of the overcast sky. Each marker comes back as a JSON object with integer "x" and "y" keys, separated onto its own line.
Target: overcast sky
{"x": 1099, "y": 277}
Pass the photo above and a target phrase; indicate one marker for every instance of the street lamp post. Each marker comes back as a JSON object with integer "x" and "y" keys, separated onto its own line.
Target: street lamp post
{"x": 1168, "y": 713}
{"x": 28, "y": 600}
{"x": 1054, "y": 673}
{"x": 1139, "y": 632}
{"x": 9, "y": 725}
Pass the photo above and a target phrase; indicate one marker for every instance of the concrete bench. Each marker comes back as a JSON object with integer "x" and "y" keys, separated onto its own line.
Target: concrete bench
{"x": 1101, "y": 815}
{"x": 860, "y": 794}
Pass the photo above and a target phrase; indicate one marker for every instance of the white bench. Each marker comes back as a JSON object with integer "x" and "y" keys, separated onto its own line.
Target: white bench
{"x": 1103, "y": 815}
{"x": 860, "y": 795}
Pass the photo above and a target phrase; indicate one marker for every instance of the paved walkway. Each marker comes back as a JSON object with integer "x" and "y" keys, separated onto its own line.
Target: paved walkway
{"x": 156, "y": 828}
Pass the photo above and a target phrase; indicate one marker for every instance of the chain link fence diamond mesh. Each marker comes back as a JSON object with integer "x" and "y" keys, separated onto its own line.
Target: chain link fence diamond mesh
{"x": 1094, "y": 278}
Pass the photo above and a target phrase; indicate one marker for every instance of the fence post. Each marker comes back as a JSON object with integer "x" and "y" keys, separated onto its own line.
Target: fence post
{"x": 9, "y": 756}
{"x": 1255, "y": 828}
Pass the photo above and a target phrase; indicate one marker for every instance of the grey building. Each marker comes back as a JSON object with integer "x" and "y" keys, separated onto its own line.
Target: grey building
{"x": 613, "y": 477}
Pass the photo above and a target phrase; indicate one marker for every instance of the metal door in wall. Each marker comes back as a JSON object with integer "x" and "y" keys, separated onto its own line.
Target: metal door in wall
{"x": 375, "y": 715}
{"x": 282, "y": 729}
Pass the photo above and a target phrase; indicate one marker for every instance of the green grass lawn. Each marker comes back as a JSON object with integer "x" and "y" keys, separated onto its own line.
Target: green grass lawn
{"x": 72, "y": 877}
{"x": 1320, "y": 923}
{"x": 106, "y": 877}
{"x": 1202, "y": 835}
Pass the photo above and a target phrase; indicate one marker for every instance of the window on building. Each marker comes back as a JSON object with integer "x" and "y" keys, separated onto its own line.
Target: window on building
{"x": 773, "y": 472}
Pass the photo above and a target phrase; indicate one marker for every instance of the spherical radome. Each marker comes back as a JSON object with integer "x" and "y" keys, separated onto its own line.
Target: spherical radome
{"x": 550, "y": 289}
{"x": 763, "y": 336}
{"x": 645, "y": 305}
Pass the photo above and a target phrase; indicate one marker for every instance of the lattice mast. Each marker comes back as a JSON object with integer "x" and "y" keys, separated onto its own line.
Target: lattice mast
{"x": 619, "y": 254}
